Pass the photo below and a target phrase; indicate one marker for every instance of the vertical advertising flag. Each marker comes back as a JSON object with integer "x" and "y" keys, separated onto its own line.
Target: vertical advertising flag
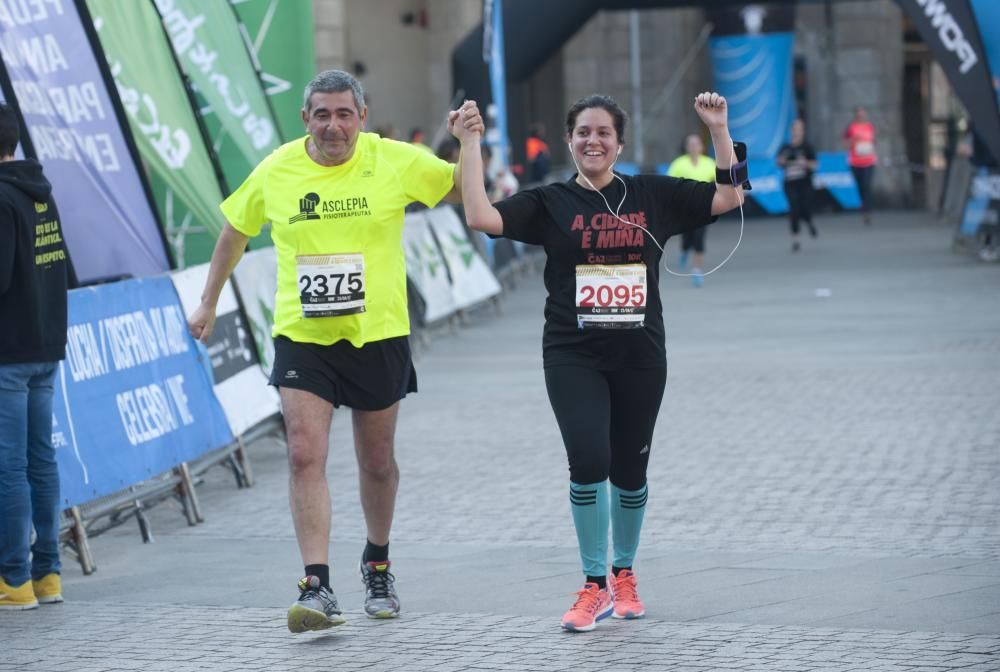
{"x": 495, "y": 56}
{"x": 754, "y": 73}
{"x": 209, "y": 46}
{"x": 280, "y": 34}
{"x": 988, "y": 16}
{"x": 952, "y": 33}
{"x": 58, "y": 85}
{"x": 164, "y": 124}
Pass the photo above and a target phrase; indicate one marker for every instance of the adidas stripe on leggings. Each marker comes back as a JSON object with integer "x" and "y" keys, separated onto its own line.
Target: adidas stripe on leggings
{"x": 606, "y": 419}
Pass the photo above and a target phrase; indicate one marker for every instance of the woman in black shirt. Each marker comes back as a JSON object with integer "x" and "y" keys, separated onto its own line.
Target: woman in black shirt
{"x": 798, "y": 158}
{"x": 603, "y": 345}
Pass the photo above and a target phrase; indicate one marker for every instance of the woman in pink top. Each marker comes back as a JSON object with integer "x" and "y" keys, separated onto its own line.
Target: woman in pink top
{"x": 859, "y": 138}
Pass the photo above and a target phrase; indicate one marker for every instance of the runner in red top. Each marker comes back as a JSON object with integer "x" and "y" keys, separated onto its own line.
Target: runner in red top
{"x": 859, "y": 138}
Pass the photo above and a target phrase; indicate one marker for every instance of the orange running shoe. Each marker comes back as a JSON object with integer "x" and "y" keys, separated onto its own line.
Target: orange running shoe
{"x": 592, "y": 605}
{"x": 626, "y": 599}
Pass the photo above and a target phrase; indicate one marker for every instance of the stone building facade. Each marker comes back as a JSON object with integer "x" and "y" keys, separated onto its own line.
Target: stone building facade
{"x": 848, "y": 53}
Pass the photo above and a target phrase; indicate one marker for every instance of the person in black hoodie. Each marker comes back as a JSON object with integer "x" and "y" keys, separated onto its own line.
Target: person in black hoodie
{"x": 35, "y": 274}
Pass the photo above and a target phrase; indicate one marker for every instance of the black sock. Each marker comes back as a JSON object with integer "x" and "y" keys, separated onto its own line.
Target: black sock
{"x": 618, "y": 570}
{"x": 322, "y": 572}
{"x": 375, "y": 553}
{"x": 601, "y": 581}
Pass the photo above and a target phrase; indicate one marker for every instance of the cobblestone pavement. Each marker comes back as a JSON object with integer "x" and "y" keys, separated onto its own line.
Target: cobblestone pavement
{"x": 153, "y": 638}
{"x": 823, "y": 494}
{"x": 864, "y": 422}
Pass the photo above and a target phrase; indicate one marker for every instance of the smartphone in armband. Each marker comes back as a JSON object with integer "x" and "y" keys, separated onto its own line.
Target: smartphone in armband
{"x": 738, "y": 174}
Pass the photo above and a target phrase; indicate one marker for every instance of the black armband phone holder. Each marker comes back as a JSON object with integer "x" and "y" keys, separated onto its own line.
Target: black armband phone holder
{"x": 738, "y": 174}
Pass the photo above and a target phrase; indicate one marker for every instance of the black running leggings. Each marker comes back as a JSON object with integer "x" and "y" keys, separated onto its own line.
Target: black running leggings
{"x": 694, "y": 240}
{"x": 799, "y": 193}
{"x": 606, "y": 419}
{"x": 863, "y": 178}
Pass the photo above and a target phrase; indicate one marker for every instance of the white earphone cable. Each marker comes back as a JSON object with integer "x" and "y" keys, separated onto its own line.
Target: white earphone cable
{"x": 615, "y": 214}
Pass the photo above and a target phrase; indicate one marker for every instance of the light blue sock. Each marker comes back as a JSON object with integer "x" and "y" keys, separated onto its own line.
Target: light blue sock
{"x": 589, "y": 504}
{"x": 627, "y": 509}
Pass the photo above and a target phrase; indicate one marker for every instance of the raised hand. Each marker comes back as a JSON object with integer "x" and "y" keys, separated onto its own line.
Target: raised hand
{"x": 466, "y": 123}
{"x": 712, "y": 109}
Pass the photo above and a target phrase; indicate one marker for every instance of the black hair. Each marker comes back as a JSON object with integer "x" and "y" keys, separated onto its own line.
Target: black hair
{"x": 10, "y": 130}
{"x": 606, "y": 103}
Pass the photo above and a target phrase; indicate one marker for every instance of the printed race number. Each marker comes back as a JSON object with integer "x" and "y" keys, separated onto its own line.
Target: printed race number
{"x": 321, "y": 285}
{"x": 331, "y": 284}
{"x": 611, "y": 297}
{"x": 603, "y": 296}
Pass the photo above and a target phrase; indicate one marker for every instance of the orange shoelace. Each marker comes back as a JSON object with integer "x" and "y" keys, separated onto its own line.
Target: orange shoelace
{"x": 625, "y": 589}
{"x": 587, "y": 600}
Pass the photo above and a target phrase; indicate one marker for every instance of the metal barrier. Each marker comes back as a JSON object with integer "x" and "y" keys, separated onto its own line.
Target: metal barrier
{"x": 79, "y": 523}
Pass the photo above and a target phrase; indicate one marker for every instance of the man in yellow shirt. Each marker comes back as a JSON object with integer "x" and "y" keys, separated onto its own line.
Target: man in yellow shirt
{"x": 693, "y": 165}
{"x": 335, "y": 199}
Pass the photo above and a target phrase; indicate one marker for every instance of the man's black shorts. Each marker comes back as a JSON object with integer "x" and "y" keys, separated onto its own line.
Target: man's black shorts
{"x": 370, "y": 378}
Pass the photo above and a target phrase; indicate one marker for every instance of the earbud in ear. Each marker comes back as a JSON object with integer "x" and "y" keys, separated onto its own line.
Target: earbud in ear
{"x": 619, "y": 151}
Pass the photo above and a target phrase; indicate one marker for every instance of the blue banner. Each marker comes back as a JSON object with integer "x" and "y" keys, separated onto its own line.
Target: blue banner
{"x": 835, "y": 176}
{"x": 987, "y": 14}
{"x": 754, "y": 73}
{"x": 109, "y": 225}
{"x": 832, "y": 174}
{"x": 497, "y": 136}
{"x": 768, "y": 186}
{"x": 133, "y": 397}
{"x": 983, "y": 205}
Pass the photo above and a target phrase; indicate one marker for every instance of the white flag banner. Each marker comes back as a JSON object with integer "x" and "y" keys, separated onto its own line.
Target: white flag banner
{"x": 240, "y": 383}
{"x": 426, "y": 268}
{"x": 472, "y": 281}
{"x": 257, "y": 282}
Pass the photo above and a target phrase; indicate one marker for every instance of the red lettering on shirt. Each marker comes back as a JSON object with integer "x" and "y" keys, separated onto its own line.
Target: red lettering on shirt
{"x": 628, "y": 231}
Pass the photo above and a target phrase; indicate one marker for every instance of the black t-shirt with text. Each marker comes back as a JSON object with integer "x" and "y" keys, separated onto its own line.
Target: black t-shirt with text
{"x": 576, "y": 228}
{"x": 795, "y": 157}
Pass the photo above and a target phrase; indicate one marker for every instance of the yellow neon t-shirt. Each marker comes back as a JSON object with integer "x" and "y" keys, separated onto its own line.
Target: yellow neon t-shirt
{"x": 683, "y": 167}
{"x": 353, "y": 208}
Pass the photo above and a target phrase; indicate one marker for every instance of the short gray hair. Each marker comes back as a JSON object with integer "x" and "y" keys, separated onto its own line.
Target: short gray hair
{"x": 334, "y": 81}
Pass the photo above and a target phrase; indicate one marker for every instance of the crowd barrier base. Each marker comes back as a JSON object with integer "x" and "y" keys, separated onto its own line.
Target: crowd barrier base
{"x": 80, "y": 523}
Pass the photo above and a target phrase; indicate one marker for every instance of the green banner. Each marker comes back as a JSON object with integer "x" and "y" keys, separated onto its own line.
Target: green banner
{"x": 209, "y": 45}
{"x": 281, "y": 32}
{"x": 164, "y": 125}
